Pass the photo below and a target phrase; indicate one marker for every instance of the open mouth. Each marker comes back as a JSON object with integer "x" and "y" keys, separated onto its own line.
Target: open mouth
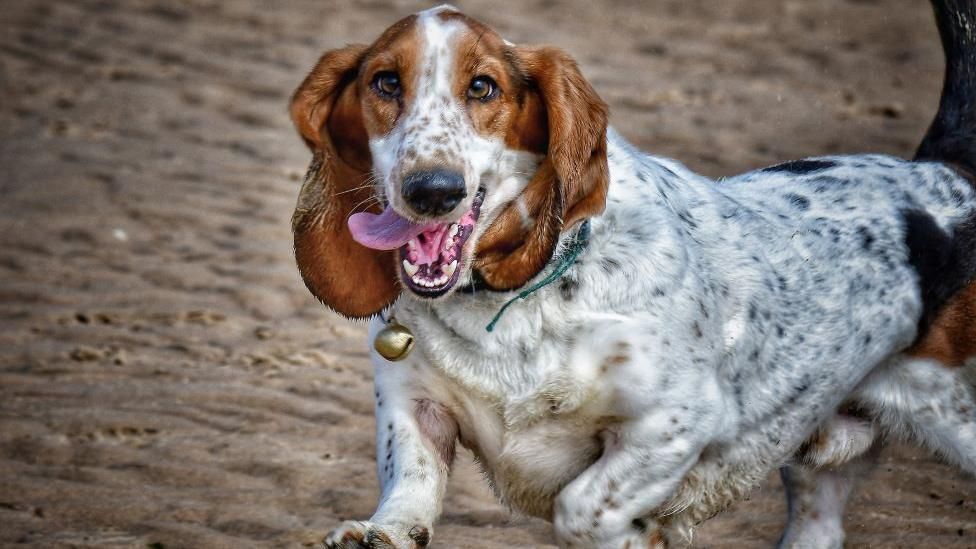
{"x": 430, "y": 262}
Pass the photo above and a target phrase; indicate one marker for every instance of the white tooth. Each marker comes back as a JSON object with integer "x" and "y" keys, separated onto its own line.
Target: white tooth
{"x": 454, "y": 230}
{"x": 449, "y": 270}
{"x": 448, "y": 243}
{"x": 417, "y": 279}
{"x": 412, "y": 244}
{"x": 442, "y": 281}
{"x": 410, "y": 268}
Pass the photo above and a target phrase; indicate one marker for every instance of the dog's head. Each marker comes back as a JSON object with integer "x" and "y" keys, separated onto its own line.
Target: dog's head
{"x": 438, "y": 150}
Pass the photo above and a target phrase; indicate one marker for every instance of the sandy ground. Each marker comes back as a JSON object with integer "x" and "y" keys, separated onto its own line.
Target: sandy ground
{"x": 166, "y": 380}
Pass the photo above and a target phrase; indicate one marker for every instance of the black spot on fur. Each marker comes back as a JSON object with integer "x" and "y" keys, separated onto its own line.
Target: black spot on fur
{"x": 945, "y": 263}
{"x": 802, "y": 387}
{"x": 667, "y": 170}
{"x": 781, "y": 282}
{"x": 867, "y": 239}
{"x": 689, "y": 219}
{"x": 568, "y": 288}
{"x": 639, "y": 524}
{"x": 609, "y": 265}
{"x": 801, "y": 167}
{"x": 801, "y": 203}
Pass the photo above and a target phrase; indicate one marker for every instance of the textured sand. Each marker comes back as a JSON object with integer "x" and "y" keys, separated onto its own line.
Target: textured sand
{"x": 166, "y": 380}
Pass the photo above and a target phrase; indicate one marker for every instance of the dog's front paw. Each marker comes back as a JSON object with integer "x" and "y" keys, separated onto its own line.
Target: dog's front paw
{"x": 354, "y": 534}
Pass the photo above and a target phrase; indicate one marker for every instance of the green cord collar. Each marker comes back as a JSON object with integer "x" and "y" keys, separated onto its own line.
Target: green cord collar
{"x": 564, "y": 262}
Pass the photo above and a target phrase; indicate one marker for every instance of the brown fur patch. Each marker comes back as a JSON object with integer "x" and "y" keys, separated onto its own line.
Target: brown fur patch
{"x": 657, "y": 541}
{"x": 815, "y": 445}
{"x": 349, "y": 278}
{"x": 619, "y": 356}
{"x": 396, "y": 50}
{"x": 562, "y": 111}
{"x": 439, "y": 428}
{"x": 335, "y": 110}
{"x": 951, "y": 338}
{"x": 481, "y": 52}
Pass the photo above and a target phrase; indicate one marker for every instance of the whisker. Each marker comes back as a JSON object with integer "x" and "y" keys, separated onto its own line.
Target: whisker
{"x": 354, "y": 189}
{"x": 364, "y": 205}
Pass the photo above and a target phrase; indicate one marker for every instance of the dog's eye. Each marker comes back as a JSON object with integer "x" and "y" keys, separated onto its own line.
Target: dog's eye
{"x": 482, "y": 88}
{"x": 387, "y": 83}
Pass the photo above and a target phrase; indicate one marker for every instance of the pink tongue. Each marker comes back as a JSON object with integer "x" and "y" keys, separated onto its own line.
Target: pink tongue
{"x": 386, "y": 231}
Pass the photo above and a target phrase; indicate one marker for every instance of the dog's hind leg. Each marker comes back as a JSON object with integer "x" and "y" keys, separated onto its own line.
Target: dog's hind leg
{"x": 923, "y": 400}
{"x": 819, "y": 484}
{"x": 816, "y": 499}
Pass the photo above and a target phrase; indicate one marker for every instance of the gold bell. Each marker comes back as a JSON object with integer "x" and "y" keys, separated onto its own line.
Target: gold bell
{"x": 394, "y": 342}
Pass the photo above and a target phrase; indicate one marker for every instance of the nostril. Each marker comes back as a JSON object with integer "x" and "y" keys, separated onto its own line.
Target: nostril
{"x": 451, "y": 201}
{"x": 433, "y": 192}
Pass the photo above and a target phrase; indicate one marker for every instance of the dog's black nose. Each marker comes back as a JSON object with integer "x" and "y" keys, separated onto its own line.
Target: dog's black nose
{"x": 433, "y": 192}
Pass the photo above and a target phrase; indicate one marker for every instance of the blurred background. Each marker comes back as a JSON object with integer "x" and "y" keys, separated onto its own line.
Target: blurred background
{"x": 166, "y": 380}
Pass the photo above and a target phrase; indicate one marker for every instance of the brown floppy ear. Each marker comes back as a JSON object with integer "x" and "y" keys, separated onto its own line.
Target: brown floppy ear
{"x": 562, "y": 116}
{"x": 353, "y": 280}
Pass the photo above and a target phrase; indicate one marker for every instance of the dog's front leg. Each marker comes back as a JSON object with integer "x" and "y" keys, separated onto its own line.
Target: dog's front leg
{"x": 610, "y": 505}
{"x": 663, "y": 410}
{"x": 416, "y": 437}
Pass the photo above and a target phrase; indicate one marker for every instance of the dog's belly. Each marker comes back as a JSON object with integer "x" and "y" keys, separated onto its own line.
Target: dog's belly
{"x": 536, "y": 462}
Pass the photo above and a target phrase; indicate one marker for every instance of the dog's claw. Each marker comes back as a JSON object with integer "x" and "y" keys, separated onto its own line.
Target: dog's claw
{"x": 420, "y": 535}
{"x": 365, "y": 535}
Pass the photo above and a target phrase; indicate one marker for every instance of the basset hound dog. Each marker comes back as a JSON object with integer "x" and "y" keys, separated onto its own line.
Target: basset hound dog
{"x": 628, "y": 347}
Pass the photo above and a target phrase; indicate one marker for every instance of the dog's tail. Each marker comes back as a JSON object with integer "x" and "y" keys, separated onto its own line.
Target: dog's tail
{"x": 952, "y": 136}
